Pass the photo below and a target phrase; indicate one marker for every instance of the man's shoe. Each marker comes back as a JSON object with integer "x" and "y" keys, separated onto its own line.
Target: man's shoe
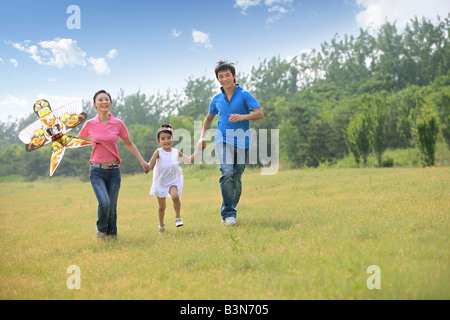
{"x": 101, "y": 235}
{"x": 230, "y": 221}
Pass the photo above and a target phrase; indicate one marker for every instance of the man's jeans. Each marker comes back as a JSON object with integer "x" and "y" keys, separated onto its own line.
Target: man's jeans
{"x": 106, "y": 185}
{"x": 232, "y": 166}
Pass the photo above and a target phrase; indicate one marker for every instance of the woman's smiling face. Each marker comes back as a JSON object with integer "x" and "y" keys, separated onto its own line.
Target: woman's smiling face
{"x": 102, "y": 102}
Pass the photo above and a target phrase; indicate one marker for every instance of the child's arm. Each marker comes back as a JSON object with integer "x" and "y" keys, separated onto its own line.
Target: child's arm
{"x": 152, "y": 161}
{"x": 189, "y": 160}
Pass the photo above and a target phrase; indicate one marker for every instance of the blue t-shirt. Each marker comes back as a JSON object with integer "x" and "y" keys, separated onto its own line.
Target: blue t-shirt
{"x": 235, "y": 133}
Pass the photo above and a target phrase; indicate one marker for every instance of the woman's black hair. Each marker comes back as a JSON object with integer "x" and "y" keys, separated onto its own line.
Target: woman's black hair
{"x": 102, "y": 91}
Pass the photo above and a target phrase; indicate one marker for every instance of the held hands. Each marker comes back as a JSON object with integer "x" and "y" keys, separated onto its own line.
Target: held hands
{"x": 202, "y": 142}
{"x": 145, "y": 166}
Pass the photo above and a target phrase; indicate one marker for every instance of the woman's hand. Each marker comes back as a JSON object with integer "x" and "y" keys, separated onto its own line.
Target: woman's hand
{"x": 145, "y": 166}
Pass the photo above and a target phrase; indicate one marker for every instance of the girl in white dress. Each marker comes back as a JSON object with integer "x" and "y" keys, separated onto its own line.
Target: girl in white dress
{"x": 167, "y": 174}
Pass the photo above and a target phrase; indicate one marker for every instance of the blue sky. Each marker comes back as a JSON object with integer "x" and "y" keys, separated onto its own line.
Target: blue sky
{"x": 48, "y": 50}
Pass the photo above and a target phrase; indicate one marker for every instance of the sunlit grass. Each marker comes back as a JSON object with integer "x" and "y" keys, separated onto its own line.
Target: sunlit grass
{"x": 301, "y": 234}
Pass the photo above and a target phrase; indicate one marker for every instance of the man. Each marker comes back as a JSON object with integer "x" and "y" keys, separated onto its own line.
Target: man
{"x": 235, "y": 107}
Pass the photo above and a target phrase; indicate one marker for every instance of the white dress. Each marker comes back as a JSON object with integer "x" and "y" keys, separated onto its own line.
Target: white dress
{"x": 167, "y": 173}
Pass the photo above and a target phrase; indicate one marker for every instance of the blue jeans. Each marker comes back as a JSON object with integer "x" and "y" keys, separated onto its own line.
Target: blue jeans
{"x": 232, "y": 166}
{"x": 106, "y": 185}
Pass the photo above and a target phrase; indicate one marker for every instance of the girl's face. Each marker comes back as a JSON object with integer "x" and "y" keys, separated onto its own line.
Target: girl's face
{"x": 102, "y": 102}
{"x": 165, "y": 140}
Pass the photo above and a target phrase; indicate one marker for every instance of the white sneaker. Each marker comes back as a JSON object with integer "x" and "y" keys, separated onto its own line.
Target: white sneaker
{"x": 101, "y": 235}
{"x": 230, "y": 221}
{"x": 178, "y": 222}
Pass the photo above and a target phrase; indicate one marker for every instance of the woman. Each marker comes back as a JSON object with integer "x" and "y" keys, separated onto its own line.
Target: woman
{"x": 104, "y": 172}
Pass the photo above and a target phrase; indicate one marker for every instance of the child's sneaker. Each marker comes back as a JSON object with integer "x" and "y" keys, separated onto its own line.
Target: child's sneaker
{"x": 179, "y": 222}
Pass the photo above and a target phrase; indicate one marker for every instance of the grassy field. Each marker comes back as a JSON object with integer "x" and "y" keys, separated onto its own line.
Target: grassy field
{"x": 301, "y": 234}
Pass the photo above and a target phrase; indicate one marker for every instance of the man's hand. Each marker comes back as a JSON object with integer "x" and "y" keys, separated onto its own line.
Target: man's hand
{"x": 235, "y": 117}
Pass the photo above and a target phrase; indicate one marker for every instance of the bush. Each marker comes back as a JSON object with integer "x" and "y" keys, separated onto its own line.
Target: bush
{"x": 388, "y": 162}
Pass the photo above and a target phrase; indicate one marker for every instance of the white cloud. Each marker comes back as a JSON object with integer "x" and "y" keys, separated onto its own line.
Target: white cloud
{"x": 201, "y": 38}
{"x": 245, "y": 4}
{"x": 276, "y": 8}
{"x": 66, "y": 52}
{"x": 13, "y": 108}
{"x": 61, "y": 53}
{"x": 14, "y": 62}
{"x": 374, "y": 13}
{"x": 175, "y": 33}
{"x": 99, "y": 65}
{"x": 58, "y": 52}
{"x": 57, "y": 101}
{"x": 270, "y": 3}
{"x": 112, "y": 54}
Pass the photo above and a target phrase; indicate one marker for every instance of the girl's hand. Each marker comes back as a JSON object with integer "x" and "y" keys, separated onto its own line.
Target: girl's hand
{"x": 203, "y": 142}
{"x": 145, "y": 167}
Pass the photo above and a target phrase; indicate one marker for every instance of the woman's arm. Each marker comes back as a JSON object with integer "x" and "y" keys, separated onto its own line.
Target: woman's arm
{"x": 134, "y": 150}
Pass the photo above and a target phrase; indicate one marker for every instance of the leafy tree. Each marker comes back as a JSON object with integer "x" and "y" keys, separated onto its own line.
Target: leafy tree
{"x": 427, "y": 126}
{"x": 140, "y": 109}
{"x": 198, "y": 94}
{"x": 378, "y": 114}
{"x": 273, "y": 78}
{"x": 443, "y": 108}
{"x": 358, "y": 136}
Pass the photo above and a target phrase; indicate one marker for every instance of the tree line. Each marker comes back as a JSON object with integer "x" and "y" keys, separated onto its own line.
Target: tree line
{"x": 357, "y": 95}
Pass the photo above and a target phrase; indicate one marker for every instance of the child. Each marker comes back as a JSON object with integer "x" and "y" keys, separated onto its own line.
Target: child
{"x": 167, "y": 174}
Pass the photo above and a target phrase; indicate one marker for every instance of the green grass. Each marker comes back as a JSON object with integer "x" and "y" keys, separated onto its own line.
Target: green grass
{"x": 301, "y": 234}
{"x": 402, "y": 158}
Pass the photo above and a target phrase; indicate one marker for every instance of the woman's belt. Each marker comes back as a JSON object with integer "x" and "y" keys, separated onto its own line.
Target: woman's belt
{"x": 105, "y": 166}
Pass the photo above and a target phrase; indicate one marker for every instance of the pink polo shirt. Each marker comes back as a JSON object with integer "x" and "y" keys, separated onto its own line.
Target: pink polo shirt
{"x": 106, "y": 137}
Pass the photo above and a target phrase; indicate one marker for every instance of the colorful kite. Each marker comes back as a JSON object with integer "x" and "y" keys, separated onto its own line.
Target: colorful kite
{"x": 53, "y": 126}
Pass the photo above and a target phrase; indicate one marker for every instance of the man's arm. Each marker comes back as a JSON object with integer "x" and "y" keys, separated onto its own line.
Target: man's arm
{"x": 206, "y": 126}
{"x": 255, "y": 114}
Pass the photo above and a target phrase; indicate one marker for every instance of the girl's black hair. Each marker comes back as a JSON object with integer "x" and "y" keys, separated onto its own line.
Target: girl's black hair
{"x": 167, "y": 128}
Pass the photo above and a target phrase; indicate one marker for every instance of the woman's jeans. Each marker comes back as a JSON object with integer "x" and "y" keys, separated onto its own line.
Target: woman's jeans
{"x": 232, "y": 166}
{"x": 106, "y": 185}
